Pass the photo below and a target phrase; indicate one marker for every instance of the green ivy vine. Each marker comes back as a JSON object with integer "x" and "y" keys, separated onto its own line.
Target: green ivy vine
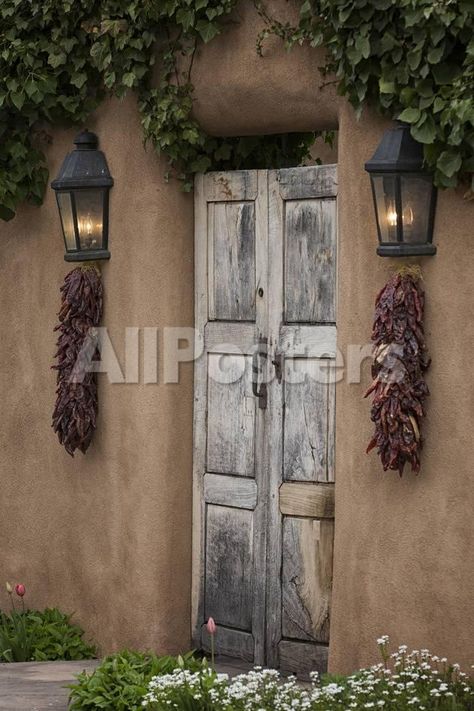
{"x": 411, "y": 59}
{"x": 60, "y": 58}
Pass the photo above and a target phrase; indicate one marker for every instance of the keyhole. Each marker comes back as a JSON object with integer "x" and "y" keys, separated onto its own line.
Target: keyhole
{"x": 260, "y": 292}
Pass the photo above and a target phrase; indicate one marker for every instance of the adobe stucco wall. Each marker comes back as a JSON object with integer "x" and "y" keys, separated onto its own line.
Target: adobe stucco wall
{"x": 404, "y": 561}
{"x": 109, "y": 534}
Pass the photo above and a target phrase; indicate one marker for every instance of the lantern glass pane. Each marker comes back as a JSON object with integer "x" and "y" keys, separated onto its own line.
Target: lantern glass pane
{"x": 384, "y": 195}
{"x": 67, "y": 220}
{"x": 90, "y": 216}
{"x": 416, "y": 197}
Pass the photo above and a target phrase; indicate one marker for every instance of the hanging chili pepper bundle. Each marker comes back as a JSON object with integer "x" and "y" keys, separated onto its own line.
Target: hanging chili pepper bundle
{"x": 75, "y": 412}
{"x": 399, "y": 362}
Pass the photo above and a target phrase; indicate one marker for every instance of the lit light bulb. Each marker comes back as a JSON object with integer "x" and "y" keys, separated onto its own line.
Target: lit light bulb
{"x": 408, "y": 216}
{"x": 89, "y": 225}
{"x": 87, "y": 229}
{"x": 392, "y": 215}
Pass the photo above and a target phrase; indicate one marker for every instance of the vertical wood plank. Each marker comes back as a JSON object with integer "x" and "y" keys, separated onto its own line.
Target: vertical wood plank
{"x": 230, "y": 417}
{"x": 274, "y": 439}
{"x": 200, "y": 407}
{"x": 310, "y": 253}
{"x": 259, "y": 615}
{"x": 229, "y": 566}
{"x": 307, "y": 578}
{"x": 232, "y": 246}
{"x": 306, "y": 421}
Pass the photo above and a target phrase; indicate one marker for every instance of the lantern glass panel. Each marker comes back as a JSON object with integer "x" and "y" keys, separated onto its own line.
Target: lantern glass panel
{"x": 90, "y": 217}
{"x": 67, "y": 220}
{"x": 416, "y": 198}
{"x": 385, "y": 195}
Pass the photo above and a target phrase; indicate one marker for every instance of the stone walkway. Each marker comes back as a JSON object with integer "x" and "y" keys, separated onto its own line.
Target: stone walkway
{"x": 40, "y": 686}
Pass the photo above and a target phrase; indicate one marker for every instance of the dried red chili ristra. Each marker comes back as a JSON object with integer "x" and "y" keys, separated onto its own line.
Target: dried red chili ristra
{"x": 399, "y": 361}
{"x": 75, "y": 411}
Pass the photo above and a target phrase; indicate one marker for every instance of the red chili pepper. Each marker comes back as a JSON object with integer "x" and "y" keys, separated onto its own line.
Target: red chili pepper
{"x": 75, "y": 412}
{"x": 400, "y": 360}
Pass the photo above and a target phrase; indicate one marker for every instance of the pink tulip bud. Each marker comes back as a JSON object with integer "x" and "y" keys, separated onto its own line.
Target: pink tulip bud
{"x": 211, "y": 626}
{"x": 9, "y": 588}
{"x": 20, "y": 589}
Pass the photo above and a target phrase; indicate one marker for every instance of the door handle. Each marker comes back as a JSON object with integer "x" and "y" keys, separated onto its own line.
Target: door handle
{"x": 277, "y": 362}
{"x": 260, "y": 391}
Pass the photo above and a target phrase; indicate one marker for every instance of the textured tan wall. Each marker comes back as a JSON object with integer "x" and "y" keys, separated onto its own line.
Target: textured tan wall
{"x": 404, "y": 547}
{"x": 106, "y": 534}
{"x": 240, "y": 93}
{"x": 109, "y": 534}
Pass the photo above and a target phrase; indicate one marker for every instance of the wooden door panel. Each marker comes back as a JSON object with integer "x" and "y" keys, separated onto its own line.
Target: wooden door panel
{"x": 308, "y": 431}
{"x": 301, "y": 658}
{"x": 302, "y": 265}
{"x": 229, "y": 493}
{"x": 233, "y": 491}
{"x": 229, "y": 566}
{"x": 230, "y": 438}
{"x": 307, "y": 578}
{"x": 307, "y": 500}
{"x": 230, "y": 642}
{"x": 310, "y": 260}
{"x": 232, "y": 261}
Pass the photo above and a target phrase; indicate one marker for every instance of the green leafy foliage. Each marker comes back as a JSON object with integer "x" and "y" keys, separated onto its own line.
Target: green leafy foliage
{"x": 121, "y": 680}
{"x": 48, "y": 635}
{"x": 60, "y": 58}
{"x": 411, "y": 59}
{"x": 401, "y": 682}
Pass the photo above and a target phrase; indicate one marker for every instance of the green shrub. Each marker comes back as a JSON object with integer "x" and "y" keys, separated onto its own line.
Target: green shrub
{"x": 49, "y": 635}
{"x": 120, "y": 682}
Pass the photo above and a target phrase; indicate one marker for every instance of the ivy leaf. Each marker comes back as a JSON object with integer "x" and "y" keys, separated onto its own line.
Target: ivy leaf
{"x": 207, "y": 30}
{"x": 363, "y": 45}
{"x": 128, "y": 79}
{"x": 109, "y": 80}
{"x": 78, "y": 79}
{"x": 410, "y": 115}
{"x": 386, "y": 87}
{"x": 449, "y": 162}
{"x": 426, "y": 132}
{"x": 435, "y": 54}
{"x": 18, "y": 99}
{"x": 55, "y": 60}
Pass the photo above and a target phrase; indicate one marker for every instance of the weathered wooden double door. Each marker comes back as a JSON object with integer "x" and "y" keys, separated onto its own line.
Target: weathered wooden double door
{"x": 265, "y": 256}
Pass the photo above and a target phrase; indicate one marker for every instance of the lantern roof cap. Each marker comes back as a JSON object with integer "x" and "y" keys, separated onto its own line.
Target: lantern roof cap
{"x": 84, "y": 167}
{"x": 86, "y": 140}
{"x": 397, "y": 152}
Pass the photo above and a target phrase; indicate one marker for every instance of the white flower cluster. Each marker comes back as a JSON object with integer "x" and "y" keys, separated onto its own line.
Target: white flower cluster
{"x": 403, "y": 681}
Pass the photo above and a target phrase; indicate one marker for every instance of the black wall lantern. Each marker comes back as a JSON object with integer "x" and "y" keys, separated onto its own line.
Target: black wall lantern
{"x": 82, "y": 191}
{"x": 404, "y": 195}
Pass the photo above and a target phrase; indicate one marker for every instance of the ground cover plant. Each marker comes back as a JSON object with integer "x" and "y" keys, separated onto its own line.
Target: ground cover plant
{"x": 400, "y": 682}
{"x": 121, "y": 680}
{"x": 39, "y": 635}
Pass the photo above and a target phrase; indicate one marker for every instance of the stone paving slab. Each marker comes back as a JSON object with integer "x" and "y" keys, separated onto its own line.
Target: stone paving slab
{"x": 38, "y": 686}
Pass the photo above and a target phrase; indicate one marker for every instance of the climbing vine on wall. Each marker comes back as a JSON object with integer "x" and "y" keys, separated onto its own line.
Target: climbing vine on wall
{"x": 411, "y": 59}
{"x": 59, "y": 58}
